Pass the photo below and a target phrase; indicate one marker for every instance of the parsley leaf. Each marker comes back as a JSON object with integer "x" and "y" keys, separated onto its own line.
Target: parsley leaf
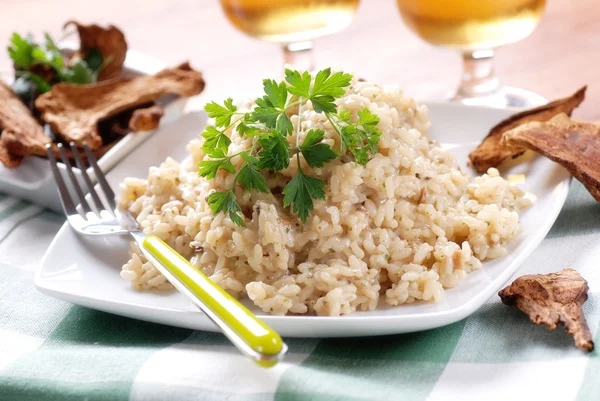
{"x": 227, "y": 203}
{"x": 94, "y": 59}
{"x": 367, "y": 119}
{"x": 316, "y": 153}
{"x": 78, "y": 73}
{"x": 327, "y": 88}
{"x": 275, "y": 154}
{"x": 27, "y": 55}
{"x": 299, "y": 84}
{"x": 20, "y": 49}
{"x": 250, "y": 178}
{"x": 271, "y": 107}
{"x": 361, "y": 138}
{"x": 48, "y": 53}
{"x": 300, "y": 192}
{"x": 209, "y": 168}
{"x": 214, "y": 139}
{"x": 284, "y": 124}
{"x": 247, "y": 126}
{"x": 323, "y": 104}
{"x": 249, "y": 158}
{"x": 332, "y": 85}
{"x": 265, "y": 112}
{"x": 276, "y": 93}
{"x": 345, "y": 116}
{"x": 221, "y": 114}
{"x": 246, "y": 129}
{"x": 350, "y": 141}
{"x": 369, "y": 122}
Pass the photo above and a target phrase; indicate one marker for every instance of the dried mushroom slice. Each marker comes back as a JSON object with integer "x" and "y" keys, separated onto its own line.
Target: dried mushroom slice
{"x": 492, "y": 151}
{"x": 73, "y": 111}
{"x": 553, "y": 299}
{"x": 8, "y": 159}
{"x": 110, "y": 42}
{"x": 22, "y": 135}
{"x": 575, "y": 145}
{"x": 146, "y": 119}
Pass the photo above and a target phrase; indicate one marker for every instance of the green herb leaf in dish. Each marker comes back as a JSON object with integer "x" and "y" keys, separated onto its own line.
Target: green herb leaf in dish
{"x": 270, "y": 124}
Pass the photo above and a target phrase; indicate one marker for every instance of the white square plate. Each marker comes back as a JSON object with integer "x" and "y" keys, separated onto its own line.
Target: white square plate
{"x": 85, "y": 270}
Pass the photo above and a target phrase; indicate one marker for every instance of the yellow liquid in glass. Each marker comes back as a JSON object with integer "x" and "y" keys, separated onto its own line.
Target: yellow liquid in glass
{"x": 288, "y": 21}
{"x": 471, "y": 24}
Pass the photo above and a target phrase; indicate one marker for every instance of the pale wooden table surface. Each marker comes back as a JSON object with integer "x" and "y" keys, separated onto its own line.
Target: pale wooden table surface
{"x": 560, "y": 56}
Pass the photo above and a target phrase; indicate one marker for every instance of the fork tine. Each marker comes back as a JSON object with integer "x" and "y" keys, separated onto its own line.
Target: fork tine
{"x": 63, "y": 155}
{"x": 65, "y": 196}
{"x": 109, "y": 194}
{"x": 86, "y": 177}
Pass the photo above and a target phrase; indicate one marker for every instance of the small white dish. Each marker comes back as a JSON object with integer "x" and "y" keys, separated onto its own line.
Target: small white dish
{"x": 33, "y": 181}
{"x": 85, "y": 271}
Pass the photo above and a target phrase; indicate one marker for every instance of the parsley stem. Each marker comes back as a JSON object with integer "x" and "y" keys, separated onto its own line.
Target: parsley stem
{"x": 300, "y": 102}
{"x": 299, "y": 121}
{"x": 337, "y": 129}
{"x": 334, "y": 125}
{"x": 298, "y": 128}
{"x": 244, "y": 164}
{"x": 233, "y": 123}
{"x": 237, "y": 176}
{"x": 232, "y": 156}
{"x": 257, "y": 125}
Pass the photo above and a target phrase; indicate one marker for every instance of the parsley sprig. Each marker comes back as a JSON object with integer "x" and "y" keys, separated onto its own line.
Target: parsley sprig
{"x": 269, "y": 125}
{"x": 29, "y": 57}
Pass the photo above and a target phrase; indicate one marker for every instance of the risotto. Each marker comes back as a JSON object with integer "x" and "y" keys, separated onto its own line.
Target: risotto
{"x": 403, "y": 228}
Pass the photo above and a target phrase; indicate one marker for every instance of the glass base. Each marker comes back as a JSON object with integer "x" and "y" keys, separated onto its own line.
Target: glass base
{"x": 506, "y": 96}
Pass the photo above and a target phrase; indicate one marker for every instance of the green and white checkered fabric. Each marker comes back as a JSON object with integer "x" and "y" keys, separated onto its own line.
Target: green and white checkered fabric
{"x": 50, "y": 350}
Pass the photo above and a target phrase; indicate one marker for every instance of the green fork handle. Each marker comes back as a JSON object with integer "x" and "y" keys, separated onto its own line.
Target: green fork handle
{"x": 252, "y": 336}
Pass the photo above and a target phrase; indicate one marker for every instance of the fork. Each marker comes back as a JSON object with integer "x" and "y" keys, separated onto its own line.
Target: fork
{"x": 249, "y": 334}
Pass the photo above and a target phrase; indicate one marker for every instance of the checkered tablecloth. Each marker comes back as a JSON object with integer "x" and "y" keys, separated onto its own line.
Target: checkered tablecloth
{"x": 51, "y": 350}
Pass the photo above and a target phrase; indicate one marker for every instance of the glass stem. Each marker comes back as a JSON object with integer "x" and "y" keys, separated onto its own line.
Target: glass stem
{"x": 478, "y": 78}
{"x": 299, "y": 55}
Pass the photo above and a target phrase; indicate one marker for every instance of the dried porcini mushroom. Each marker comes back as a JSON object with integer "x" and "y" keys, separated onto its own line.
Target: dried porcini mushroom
{"x": 73, "y": 111}
{"x": 553, "y": 299}
{"x": 146, "y": 119}
{"x": 8, "y": 159}
{"x": 19, "y": 129}
{"x": 492, "y": 151}
{"x": 575, "y": 145}
{"x": 110, "y": 42}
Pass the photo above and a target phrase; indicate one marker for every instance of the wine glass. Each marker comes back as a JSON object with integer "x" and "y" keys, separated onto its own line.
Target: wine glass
{"x": 475, "y": 28}
{"x": 292, "y": 23}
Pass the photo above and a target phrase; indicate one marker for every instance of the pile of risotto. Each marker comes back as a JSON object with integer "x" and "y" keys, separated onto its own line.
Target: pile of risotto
{"x": 403, "y": 228}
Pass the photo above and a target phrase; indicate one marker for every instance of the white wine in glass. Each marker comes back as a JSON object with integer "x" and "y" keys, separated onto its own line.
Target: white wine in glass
{"x": 475, "y": 28}
{"x": 292, "y": 23}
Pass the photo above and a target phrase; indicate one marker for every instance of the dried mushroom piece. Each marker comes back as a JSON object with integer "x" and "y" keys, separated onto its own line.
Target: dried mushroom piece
{"x": 8, "y": 159}
{"x": 492, "y": 151}
{"x": 110, "y": 42}
{"x": 553, "y": 299}
{"x": 20, "y": 130}
{"x": 146, "y": 119}
{"x": 575, "y": 145}
{"x": 23, "y": 145}
{"x": 74, "y": 111}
